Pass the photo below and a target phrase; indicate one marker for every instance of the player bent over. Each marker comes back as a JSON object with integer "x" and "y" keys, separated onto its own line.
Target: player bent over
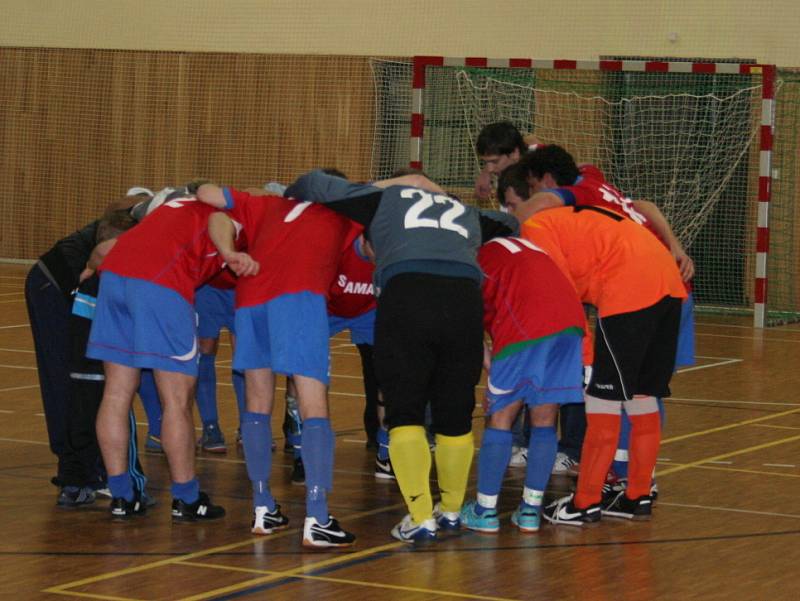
{"x": 428, "y": 329}
{"x": 145, "y": 319}
{"x": 282, "y": 327}
{"x": 536, "y": 323}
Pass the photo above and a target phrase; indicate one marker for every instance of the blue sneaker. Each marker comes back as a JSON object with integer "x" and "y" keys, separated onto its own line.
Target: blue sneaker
{"x": 153, "y": 444}
{"x": 409, "y": 532}
{"x": 212, "y": 439}
{"x": 485, "y": 522}
{"x": 446, "y": 520}
{"x": 526, "y": 518}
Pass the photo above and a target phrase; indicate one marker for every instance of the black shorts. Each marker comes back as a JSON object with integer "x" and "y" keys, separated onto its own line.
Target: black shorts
{"x": 429, "y": 349}
{"x": 634, "y": 353}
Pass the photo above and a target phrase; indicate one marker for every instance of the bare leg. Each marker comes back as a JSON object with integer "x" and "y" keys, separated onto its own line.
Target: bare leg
{"x": 113, "y": 431}
{"x": 177, "y": 424}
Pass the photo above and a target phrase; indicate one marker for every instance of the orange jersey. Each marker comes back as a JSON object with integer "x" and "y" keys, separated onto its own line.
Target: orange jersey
{"x": 615, "y": 264}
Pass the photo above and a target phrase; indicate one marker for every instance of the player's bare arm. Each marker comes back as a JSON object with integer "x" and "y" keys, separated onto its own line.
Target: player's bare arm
{"x": 211, "y": 194}
{"x": 660, "y": 224}
{"x": 222, "y": 232}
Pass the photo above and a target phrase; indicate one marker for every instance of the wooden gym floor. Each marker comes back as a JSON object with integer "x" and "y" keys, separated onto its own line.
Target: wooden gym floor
{"x": 726, "y": 526}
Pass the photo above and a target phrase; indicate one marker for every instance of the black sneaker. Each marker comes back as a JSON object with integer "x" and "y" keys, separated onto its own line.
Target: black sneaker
{"x": 564, "y": 511}
{"x": 320, "y": 536}
{"x": 266, "y": 522}
{"x": 298, "y": 471}
{"x": 384, "y": 470}
{"x": 620, "y": 506}
{"x": 75, "y": 496}
{"x": 124, "y": 510}
{"x": 611, "y": 489}
{"x": 202, "y": 509}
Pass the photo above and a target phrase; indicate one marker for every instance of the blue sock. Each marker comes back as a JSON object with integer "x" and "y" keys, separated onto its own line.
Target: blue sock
{"x": 318, "y": 446}
{"x": 256, "y": 442}
{"x": 382, "y": 436}
{"x": 237, "y": 378}
{"x": 121, "y": 486}
{"x": 188, "y": 492}
{"x": 150, "y": 401}
{"x": 492, "y": 462}
{"x": 620, "y": 465}
{"x": 207, "y": 389}
{"x": 541, "y": 455}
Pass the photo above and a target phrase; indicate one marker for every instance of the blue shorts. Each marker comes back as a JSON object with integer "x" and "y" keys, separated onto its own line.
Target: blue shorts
{"x": 684, "y": 357}
{"x": 141, "y": 324}
{"x": 362, "y": 327}
{"x": 215, "y": 311}
{"x": 288, "y": 334}
{"x": 550, "y": 370}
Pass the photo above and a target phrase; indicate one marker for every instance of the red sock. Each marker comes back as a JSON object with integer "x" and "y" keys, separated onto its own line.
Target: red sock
{"x": 599, "y": 446}
{"x": 643, "y": 453}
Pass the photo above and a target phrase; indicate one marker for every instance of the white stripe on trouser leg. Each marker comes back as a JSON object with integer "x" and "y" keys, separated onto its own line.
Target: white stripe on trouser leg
{"x": 621, "y": 455}
{"x": 613, "y": 358}
{"x": 595, "y": 405}
{"x": 641, "y": 405}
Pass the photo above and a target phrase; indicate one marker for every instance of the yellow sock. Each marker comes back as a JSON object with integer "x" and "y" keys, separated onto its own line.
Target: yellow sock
{"x": 453, "y": 460}
{"x": 411, "y": 461}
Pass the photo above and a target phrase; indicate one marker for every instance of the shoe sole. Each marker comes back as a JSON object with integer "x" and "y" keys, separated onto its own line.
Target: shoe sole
{"x": 484, "y": 530}
{"x": 184, "y": 519}
{"x": 222, "y": 449}
{"x": 298, "y": 482}
{"x": 526, "y": 529}
{"x": 384, "y": 476}
{"x": 326, "y": 545}
{"x": 266, "y": 531}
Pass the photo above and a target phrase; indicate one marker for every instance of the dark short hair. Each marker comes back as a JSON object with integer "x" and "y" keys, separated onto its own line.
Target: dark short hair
{"x": 516, "y": 178}
{"x": 113, "y": 223}
{"x": 552, "y": 159}
{"x": 501, "y": 137}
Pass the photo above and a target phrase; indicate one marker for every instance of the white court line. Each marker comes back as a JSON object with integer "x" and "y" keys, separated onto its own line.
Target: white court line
{"x": 5, "y": 411}
{"x": 779, "y": 465}
{"x": 764, "y": 338}
{"x": 740, "y": 326}
{"x": 17, "y": 366}
{"x": 721, "y": 462}
{"x": 22, "y": 325}
{"x": 17, "y": 350}
{"x": 16, "y": 300}
{"x": 731, "y": 509}
{"x": 717, "y": 364}
{"x": 19, "y": 388}
{"x": 26, "y": 441}
{"x": 727, "y": 402}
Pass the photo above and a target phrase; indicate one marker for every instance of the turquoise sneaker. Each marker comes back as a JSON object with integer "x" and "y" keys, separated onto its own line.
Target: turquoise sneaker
{"x": 526, "y": 518}
{"x": 485, "y": 522}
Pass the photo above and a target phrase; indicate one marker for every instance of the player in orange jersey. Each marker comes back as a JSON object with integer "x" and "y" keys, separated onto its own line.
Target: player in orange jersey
{"x": 633, "y": 281}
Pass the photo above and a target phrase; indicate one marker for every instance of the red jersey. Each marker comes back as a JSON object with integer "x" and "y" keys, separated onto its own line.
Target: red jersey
{"x": 525, "y": 295}
{"x": 170, "y": 247}
{"x": 224, "y": 280}
{"x": 351, "y": 293}
{"x": 592, "y": 189}
{"x": 298, "y": 245}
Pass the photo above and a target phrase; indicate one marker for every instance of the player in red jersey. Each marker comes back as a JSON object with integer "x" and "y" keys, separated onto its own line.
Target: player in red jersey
{"x": 145, "y": 319}
{"x": 536, "y": 323}
{"x": 282, "y": 327}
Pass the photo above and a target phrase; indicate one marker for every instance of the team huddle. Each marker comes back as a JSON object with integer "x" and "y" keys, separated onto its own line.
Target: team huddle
{"x": 456, "y": 289}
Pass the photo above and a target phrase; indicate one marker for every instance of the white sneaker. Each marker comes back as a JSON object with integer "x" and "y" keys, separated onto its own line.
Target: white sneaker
{"x": 410, "y": 532}
{"x": 267, "y": 522}
{"x": 565, "y": 466}
{"x": 519, "y": 457}
{"x": 325, "y": 535}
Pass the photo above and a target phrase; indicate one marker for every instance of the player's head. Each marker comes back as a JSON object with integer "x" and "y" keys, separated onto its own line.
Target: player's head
{"x": 549, "y": 167}
{"x": 513, "y": 190}
{"x": 113, "y": 223}
{"x": 500, "y": 145}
